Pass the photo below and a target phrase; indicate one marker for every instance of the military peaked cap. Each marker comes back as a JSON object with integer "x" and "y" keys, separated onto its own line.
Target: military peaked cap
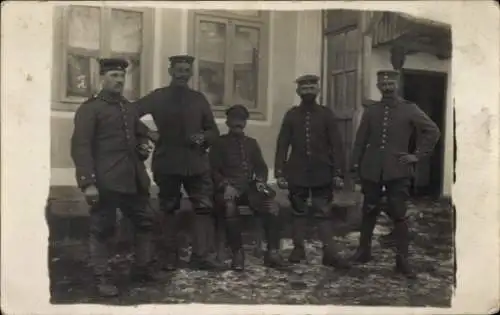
{"x": 112, "y": 64}
{"x": 181, "y": 58}
{"x": 237, "y": 111}
{"x": 307, "y": 79}
{"x": 388, "y": 76}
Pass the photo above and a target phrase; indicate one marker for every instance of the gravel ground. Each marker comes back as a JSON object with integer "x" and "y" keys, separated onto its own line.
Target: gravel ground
{"x": 370, "y": 284}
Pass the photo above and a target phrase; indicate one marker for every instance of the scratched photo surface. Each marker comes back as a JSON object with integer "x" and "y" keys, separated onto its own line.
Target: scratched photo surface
{"x": 253, "y": 157}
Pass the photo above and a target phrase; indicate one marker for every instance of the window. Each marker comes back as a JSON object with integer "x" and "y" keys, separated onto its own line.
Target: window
{"x": 344, "y": 53}
{"x": 231, "y": 59}
{"x": 90, "y": 33}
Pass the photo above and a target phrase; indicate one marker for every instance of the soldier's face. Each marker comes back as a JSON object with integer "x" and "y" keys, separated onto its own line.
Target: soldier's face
{"x": 181, "y": 73}
{"x": 113, "y": 81}
{"x": 308, "y": 92}
{"x": 235, "y": 125}
{"x": 387, "y": 87}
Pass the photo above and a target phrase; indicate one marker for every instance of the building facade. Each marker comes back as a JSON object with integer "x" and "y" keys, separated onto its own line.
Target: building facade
{"x": 246, "y": 57}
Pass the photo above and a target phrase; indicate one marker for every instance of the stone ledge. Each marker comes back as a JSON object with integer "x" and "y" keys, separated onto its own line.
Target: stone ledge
{"x": 67, "y": 214}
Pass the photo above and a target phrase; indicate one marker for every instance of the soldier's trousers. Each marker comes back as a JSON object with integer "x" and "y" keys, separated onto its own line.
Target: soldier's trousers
{"x": 321, "y": 199}
{"x": 199, "y": 189}
{"x": 397, "y": 192}
{"x": 103, "y": 225}
{"x": 265, "y": 207}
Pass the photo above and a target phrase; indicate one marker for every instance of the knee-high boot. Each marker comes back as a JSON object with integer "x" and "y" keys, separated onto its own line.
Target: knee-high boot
{"x": 99, "y": 255}
{"x": 331, "y": 255}
{"x": 170, "y": 241}
{"x": 272, "y": 230}
{"x": 299, "y": 226}
{"x": 203, "y": 238}
{"x": 402, "y": 241}
{"x": 363, "y": 253}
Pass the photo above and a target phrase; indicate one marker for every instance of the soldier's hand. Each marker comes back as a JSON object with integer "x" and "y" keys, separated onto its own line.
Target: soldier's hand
{"x": 338, "y": 183}
{"x": 260, "y": 186}
{"x": 198, "y": 138}
{"x": 154, "y": 136}
{"x": 91, "y": 194}
{"x": 230, "y": 193}
{"x": 407, "y": 158}
{"x": 282, "y": 183}
{"x": 355, "y": 172}
{"x": 144, "y": 150}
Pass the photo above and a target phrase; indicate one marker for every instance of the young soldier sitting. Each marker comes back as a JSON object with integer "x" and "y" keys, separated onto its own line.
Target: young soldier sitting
{"x": 240, "y": 176}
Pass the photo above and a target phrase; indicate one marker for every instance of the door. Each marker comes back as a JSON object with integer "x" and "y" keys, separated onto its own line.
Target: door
{"x": 343, "y": 53}
{"x": 428, "y": 90}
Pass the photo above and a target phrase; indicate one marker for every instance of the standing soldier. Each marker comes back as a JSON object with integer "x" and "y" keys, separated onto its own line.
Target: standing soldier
{"x": 109, "y": 156}
{"x": 313, "y": 169}
{"x": 186, "y": 128}
{"x": 240, "y": 176}
{"x": 380, "y": 158}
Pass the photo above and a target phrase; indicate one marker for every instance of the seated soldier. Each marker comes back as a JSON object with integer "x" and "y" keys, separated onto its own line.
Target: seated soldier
{"x": 240, "y": 178}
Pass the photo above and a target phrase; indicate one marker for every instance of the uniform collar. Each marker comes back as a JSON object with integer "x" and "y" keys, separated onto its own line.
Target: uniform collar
{"x": 236, "y": 136}
{"x": 110, "y": 97}
{"x": 391, "y": 101}
{"x": 308, "y": 107}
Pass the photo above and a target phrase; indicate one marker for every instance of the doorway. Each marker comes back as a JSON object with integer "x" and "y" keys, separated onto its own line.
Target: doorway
{"x": 428, "y": 90}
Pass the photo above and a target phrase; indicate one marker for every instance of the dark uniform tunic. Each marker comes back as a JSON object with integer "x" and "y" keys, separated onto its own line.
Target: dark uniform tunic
{"x": 238, "y": 161}
{"x": 316, "y": 154}
{"x": 104, "y": 149}
{"x": 180, "y": 113}
{"x": 383, "y": 136}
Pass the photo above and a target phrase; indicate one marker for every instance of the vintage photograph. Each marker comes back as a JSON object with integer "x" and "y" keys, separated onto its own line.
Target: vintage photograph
{"x": 250, "y": 157}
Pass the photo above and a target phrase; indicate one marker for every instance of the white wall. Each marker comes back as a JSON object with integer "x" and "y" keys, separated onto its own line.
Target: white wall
{"x": 422, "y": 61}
{"x": 295, "y": 48}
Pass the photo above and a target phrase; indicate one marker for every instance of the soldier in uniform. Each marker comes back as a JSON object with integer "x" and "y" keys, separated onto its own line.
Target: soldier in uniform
{"x": 313, "y": 169}
{"x": 186, "y": 128}
{"x": 109, "y": 146}
{"x": 240, "y": 176}
{"x": 381, "y": 159}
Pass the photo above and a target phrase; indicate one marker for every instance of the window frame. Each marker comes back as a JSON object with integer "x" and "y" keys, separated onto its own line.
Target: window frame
{"x": 260, "y": 22}
{"x": 63, "y": 102}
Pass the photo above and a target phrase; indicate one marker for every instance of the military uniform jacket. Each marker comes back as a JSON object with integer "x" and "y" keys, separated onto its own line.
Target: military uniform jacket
{"x": 384, "y": 134}
{"x": 178, "y": 116}
{"x": 237, "y": 160}
{"x": 104, "y": 144}
{"x": 316, "y": 149}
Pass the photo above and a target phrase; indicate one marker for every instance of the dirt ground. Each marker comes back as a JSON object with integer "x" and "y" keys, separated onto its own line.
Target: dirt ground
{"x": 370, "y": 284}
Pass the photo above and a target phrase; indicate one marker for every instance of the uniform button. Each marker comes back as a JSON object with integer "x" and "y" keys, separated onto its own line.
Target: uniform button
{"x": 382, "y": 147}
{"x": 384, "y": 135}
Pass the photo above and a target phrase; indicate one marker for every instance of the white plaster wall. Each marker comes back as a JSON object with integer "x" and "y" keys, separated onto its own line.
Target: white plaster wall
{"x": 295, "y": 49}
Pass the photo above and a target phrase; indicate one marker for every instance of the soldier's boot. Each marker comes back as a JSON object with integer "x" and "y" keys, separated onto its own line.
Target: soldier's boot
{"x": 388, "y": 240}
{"x": 99, "y": 259}
{"x": 272, "y": 230}
{"x": 203, "y": 236}
{"x": 142, "y": 270}
{"x": 331, "y": 255}
{"x": 363, "y": 253}
{"x": 234, "y": 237}
{"x": 170, "y": 242}
{"x": 402, "y": 264}
{"x": 298, "y": 253}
